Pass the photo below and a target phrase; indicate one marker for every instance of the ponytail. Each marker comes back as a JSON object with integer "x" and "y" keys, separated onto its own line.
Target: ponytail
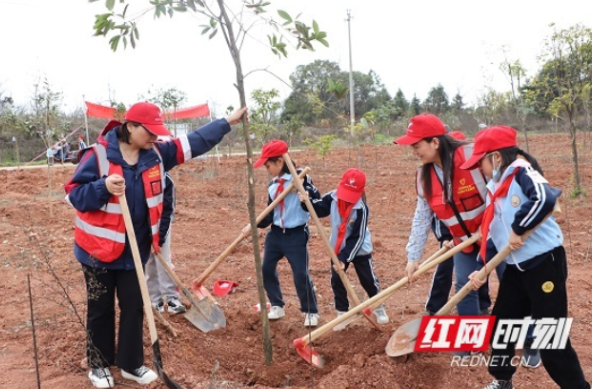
{"x": 510, "y": 154}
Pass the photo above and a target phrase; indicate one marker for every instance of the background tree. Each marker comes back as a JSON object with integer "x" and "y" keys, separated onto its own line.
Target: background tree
{"x": 233, "y": 31}
{"x": 437, "y": 101}
{"x": 566, "y": 78}
{"x": 264, "y": 113}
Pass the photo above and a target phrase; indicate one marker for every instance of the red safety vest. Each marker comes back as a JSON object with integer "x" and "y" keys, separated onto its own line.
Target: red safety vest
{"x": 468, "y": 198}
{"x": 101, "y": 233}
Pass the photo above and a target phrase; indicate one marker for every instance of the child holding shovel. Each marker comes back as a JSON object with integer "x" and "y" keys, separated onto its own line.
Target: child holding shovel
{"x": 534, "y": 281}
{"x": 288, "y": 236}
{"x": 351, "y": 238}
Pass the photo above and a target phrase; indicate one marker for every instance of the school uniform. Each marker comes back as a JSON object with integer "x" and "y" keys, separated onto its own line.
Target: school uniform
{"x": 288, "y": 237}
{"x": 534, "y": 282}
{"x": 356, "y": 247}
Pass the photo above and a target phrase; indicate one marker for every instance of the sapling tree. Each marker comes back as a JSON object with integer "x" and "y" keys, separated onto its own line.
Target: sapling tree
{"x": 232, "y": 25}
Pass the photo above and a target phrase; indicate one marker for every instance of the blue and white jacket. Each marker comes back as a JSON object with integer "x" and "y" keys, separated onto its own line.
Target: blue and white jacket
{"x": 529, "y": 200}
{"x": 357, "y": 241}
{"x": 294, "y": 215}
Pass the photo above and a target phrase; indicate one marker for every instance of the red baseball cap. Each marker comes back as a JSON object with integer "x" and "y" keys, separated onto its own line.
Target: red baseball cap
{"x": 488, "y": 140}
{"x": 457, "y": 135}
{"x": 420, "y": 127}
{"x": 275, "y": 148}
{"x": 149, "y": 116}
{"x": 351, "y": 186}
{"x": 223, "y": 287}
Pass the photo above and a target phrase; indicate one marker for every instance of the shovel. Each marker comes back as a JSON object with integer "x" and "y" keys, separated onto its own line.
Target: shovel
{"x": 336, "y": 264}
{"x": 402, "y": 342}
{"x": 202, "y": 292}
{"x": 303, "y": 344}
{"x": 202, "y": 314}
{"x": 131, "y": 234}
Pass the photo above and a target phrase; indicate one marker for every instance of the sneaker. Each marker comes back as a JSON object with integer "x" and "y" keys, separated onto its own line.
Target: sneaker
{"x": 381, "y": 316}
{"x": 142, "y": 375}
{"x": 341, "y": 326}
{"x": 175, "y": 306}
{"x": 501, "y": 384}
{"x": 311, "y": 320}
{"x": 101, "y": 377}
{"x": 159, "y": 307}
{"x": 276, "y": 312}
{"x": 531, "y": 358}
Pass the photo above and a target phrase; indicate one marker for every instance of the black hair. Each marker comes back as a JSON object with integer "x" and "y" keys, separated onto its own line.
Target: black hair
{"x": 284, "y": 166}
{"x": 510, "y": 154}
{"x": 446, "y": 149}
{"x": 123, "y": 133}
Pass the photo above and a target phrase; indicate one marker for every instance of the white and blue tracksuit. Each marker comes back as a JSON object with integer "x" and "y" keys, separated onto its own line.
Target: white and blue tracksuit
{"x": 288, "y": 238}
{"x": 534, "y": 281}
{"x": 356, "y": 247}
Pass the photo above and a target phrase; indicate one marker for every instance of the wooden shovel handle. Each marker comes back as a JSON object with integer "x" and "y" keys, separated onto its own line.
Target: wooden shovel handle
{"x": 388, "y": 291}
{"x": 206, "y": 273}
{"x": 131, "y": 234}
{"x": 175, "y": 278}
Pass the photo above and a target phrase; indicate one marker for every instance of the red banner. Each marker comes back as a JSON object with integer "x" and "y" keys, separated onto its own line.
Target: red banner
{"x": 188, "y": 113}
{"x": 100, "y": 111}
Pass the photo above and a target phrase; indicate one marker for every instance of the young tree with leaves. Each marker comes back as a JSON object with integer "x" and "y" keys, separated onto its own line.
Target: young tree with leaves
{"x": 225, "y": 20}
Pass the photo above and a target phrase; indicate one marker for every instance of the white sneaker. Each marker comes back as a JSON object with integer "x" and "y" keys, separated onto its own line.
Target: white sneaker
{"x": 311, "y": 320}
{"x": 341, "y": 326}
{"x": 174, "y": 306}
{"x": 142, "y": 375}
{"x": 276, "y": 312}
{"x": 159, "y": 307}
{"x": 381, "y": 316}
{"x": 101, "y": 377}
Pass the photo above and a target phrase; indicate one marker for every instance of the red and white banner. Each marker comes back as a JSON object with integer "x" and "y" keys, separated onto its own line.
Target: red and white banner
{"x": 99, "y": 111}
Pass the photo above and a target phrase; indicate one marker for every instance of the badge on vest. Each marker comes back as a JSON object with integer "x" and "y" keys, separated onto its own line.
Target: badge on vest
{"x": 515, "y": 201}
{"x": 548, "y": 287}
{"x": 156, "y": 187}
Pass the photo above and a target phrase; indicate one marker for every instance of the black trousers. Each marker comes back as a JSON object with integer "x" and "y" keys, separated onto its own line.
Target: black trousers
{"x": 102, "y": 286}
{"x": 521, "y": 294}
{"x": 291, "y": 243}
{"x": 368, "y": 280}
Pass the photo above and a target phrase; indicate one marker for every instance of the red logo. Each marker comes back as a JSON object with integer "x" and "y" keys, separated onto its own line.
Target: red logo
{"x": 454, "y": 333}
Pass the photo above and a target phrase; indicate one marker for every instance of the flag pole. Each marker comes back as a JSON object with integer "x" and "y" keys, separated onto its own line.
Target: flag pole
{"x": 210, "y": 112}
{"x": 86, "y": 121}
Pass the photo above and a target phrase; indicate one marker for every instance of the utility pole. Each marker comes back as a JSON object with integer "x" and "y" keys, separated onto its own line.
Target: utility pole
{"x": 352, "y": 112}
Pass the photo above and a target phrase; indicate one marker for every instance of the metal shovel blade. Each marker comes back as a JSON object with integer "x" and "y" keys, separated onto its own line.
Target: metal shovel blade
{"x": 402, "y": 342}
{"x": 201, "y": 292}
{"x": 206, "y": 316}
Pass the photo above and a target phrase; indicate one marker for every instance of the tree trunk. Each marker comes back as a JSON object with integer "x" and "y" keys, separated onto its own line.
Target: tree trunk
{"x": 234, "y": 51}
{"x": 574, "y": 154}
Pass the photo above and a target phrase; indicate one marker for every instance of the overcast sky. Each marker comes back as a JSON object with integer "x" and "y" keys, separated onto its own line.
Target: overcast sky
{"x": 411, "y": 45}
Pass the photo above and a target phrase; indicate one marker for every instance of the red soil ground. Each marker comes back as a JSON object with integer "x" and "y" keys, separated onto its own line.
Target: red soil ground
{"x": 36, "y": 231}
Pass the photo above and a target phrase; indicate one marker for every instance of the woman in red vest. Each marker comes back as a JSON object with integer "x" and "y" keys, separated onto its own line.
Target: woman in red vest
{"x": 456, "y": 197}
{"x": 126, "y": 160}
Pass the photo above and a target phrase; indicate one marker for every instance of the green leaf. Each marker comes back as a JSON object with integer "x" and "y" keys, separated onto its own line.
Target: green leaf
{"x": 323, "y": 42}
{"x": 213, "y": 22}
{"x": 284, "y": 15}
{"x": 180, "y": 8}
{"x": 213, "y": 34}
{"x": 205, "y": 30}
{"x": 315, "y": 26}
{"x": 110, "y": 4}
{"x": 114, "y": 42}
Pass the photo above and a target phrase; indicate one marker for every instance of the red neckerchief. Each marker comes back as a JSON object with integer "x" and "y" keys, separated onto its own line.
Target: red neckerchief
{"x": 500, "y": 192}
{"x": 345, "y": 209}
{"x": 278, "y": 190}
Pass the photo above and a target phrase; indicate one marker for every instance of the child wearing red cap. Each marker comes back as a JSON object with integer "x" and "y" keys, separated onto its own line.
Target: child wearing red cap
{"x": 288, "y": 236}
{"x": 534, "y": 281}
{"x": 456, "y": 197}
{"x": 350, "y": 237}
